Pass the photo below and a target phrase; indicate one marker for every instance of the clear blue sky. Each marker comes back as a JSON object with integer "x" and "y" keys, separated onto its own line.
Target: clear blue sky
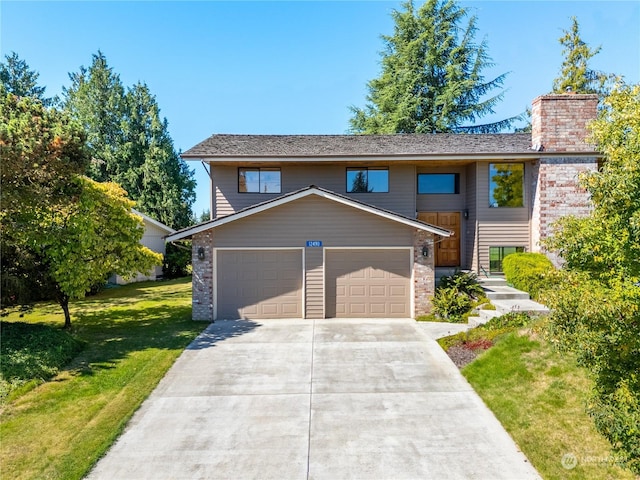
{"x": 290, "y": 67}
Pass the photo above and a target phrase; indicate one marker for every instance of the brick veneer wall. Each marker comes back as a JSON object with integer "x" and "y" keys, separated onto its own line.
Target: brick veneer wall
{"x": 202, "y": 280}
{"x": 558, "y": 122}
{"x": 557, "y": 193}
{"x": 424, "y": 280}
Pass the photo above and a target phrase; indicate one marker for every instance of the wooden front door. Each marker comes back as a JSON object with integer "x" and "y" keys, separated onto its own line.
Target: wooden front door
{"x": 447, "y": 249}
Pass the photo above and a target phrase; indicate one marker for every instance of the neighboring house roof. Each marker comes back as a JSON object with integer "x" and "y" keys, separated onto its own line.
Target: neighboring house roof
{"x": 148, "y": 219}
{"x": 241, "y": 146}
{"x": 310, "y": 190}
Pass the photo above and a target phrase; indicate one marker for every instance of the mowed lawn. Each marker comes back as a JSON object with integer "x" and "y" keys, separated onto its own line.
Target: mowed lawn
{"x": 132, "y": 335}
{"x": 540, "y": 397}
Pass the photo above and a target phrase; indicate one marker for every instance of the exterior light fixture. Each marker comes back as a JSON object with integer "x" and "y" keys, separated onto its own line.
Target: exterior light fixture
{"x": 425, "y": 250}
{"x": 201, "y": 253}
{"x": 465, "y": 213}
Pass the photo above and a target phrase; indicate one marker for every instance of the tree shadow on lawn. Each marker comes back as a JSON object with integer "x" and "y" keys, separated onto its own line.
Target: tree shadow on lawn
{"x": 116, "y": 333}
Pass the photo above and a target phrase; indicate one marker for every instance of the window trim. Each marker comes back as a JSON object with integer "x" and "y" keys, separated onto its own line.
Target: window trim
{"x": 456, "y": 183}
{"x": 518, "y": 249}
{"x": 523, "y": 202}
{"x": 259, "y": 170}
{"x": 366, "y": 169}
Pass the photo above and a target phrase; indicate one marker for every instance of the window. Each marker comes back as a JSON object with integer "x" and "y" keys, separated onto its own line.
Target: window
{"x": 438, "y": 183}
{"x": 259, "y": 180}
{"x": 497, "y": 254}
{"x": 367, "y": 180}
{"x": 506, "y": 185}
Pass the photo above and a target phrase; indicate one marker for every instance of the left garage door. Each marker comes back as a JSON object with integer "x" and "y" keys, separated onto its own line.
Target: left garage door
{"x": 258, "y": 284}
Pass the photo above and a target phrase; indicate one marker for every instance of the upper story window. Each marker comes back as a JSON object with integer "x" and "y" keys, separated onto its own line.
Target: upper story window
{"x": 506, "y": 184}
{"x": 259, "y": 180}
{"x": 368, "y": 180}
{"x": 438, "y": 183}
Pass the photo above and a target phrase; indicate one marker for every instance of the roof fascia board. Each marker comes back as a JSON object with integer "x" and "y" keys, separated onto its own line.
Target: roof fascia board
{"x": 386, "y": 158}
{"x": 295, "y": 196}
{"x": 152, "y": 221}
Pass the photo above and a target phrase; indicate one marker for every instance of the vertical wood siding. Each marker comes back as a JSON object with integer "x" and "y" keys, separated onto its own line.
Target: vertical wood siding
{"x": 314, "y": 278}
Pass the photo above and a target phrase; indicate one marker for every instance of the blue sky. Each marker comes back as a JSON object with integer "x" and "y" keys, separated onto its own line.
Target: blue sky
{"x": 290, "y": 67}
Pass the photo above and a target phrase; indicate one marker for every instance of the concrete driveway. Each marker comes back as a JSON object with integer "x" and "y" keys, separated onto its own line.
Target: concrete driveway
{"x": 303, "y": 399}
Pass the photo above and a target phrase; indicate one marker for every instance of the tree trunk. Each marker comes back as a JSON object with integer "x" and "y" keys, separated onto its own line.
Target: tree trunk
{"x": 63, "y": 300}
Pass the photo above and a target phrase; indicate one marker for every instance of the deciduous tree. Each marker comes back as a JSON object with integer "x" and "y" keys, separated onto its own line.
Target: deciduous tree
{"x": 61, "y": 233}
{"x": 96, "y": 237}
{"x": 432, "y": 76}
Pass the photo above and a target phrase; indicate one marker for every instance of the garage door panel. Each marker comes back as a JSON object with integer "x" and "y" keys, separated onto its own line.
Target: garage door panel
{"x": 368, "y": 283}
{"x": 377, "y": 291}
{"x": 259, "y": 284}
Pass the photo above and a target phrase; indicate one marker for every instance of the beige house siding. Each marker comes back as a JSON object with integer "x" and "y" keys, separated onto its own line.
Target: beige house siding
{"x": 470, "y": 225}
{"x": 312, "y": 218}
{"x": 314, "y": 280}
{"x": 401, "y": 197}
{"x": 153, "y": 239}
{"x": 493, "y": 234}
{"x": 442, "y": 203}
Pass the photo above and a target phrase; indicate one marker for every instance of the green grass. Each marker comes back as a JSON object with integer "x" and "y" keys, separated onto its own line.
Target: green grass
{"x": 31, "y": 354}
{"x": 540, "y": 396}
{"x": 132, "y": 336}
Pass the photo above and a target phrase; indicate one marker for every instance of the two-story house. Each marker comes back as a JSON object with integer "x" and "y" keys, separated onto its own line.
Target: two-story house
{"x": 322, "y": 226}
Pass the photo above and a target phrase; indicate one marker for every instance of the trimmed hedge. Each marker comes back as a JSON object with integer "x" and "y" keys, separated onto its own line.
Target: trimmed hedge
{"x": 529, "y": 272}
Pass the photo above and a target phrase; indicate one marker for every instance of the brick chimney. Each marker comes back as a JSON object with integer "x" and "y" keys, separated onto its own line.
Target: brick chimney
{"x": 558, "y": 122}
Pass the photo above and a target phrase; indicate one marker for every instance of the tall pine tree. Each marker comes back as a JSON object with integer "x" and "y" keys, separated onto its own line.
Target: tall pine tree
{"x": 575, "y": 73}
{"x": 17, "y": 78}
{"x": 130, "y": 143}
{"x": 431, "y": 79}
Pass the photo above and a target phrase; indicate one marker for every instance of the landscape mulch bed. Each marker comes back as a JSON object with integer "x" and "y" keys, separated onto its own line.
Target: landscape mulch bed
{"x": 466, "y": 352}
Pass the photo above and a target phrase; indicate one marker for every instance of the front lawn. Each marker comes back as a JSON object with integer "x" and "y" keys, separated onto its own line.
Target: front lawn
{"x": 131, "y": 336}
{"x": 539, "y": 396}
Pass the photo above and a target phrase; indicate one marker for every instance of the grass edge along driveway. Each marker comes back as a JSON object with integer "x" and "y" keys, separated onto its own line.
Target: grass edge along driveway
{"x": 134, "y": 334}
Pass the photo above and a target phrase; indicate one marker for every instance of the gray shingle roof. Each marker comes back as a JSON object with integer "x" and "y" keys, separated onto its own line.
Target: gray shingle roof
{"x": 359, "y": 145}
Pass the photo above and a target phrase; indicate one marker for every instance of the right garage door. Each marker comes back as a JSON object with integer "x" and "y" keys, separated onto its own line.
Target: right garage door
{"x": 368, "y": 283}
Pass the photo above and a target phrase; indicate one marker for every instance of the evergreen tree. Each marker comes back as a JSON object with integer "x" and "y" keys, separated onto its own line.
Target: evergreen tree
{"x": 130, "y": 143}
{"x": 155, "y": 175}
{"x": 431, "y": 77}
{"x": 18, "y": 79}
{"x": 96, "y": 99}
{"x": 575, "y": 74}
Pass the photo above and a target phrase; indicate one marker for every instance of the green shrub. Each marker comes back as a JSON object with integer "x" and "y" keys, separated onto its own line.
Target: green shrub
{"x": 451, "y": 304}
{"x": 617, "y": 416}
{"x": 529, "y": 272}
{"x": 177, "y": 261}
{"x": 463, "y": 282}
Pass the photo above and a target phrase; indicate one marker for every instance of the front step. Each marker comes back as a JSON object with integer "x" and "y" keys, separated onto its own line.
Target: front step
{"x": 503, "y": 292}
{"x": 492, "y": 281}
{"x": 526, "y": 306}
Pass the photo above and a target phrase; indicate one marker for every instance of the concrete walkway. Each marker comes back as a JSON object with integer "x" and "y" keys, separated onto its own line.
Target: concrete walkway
{"x": 298, "y": 399}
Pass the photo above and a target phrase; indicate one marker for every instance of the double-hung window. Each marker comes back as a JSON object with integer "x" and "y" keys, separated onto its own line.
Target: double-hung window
{"x": 259, "y": 180}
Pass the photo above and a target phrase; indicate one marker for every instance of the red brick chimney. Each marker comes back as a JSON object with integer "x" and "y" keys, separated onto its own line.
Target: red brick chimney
{"x": 558, "y": 122}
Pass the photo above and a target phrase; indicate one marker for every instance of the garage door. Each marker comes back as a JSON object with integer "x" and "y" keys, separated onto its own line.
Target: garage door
{"x": 368, "y": 283}
{"x": 258, "y": 284}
